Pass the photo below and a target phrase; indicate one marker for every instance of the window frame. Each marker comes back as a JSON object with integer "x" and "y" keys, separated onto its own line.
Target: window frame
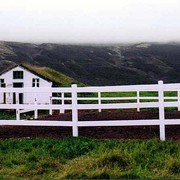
{"x": 35, "y": 82}
{"x": 2, "y": 84}
{"x": 18, "y": 74}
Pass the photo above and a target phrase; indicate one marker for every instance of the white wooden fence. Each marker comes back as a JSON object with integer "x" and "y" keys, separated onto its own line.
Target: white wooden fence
{"x": 86, "y": 98}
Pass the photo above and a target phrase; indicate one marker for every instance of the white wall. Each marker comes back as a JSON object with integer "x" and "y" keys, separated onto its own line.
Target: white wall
{"x": 27, "y": 81}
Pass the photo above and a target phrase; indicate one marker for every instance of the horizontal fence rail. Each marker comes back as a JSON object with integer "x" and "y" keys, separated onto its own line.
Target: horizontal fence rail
{"x": 159, "y": 96}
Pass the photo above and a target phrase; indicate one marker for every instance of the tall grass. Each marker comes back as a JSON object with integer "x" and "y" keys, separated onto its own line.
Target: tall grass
{"x": 83, "y": 158}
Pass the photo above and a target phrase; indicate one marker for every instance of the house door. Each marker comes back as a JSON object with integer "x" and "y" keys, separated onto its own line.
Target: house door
{"x": 21, "y": 95}
{"x": 14, "y": 98}
{"x": 4, "y": 98}
{"x": 21, "y": 98}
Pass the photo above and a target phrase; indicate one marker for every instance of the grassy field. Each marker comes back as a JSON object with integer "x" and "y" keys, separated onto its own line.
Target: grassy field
{"x": 82, "y": 158}
{"x": 7, "y": 115}
{"x": 132, "y": 95}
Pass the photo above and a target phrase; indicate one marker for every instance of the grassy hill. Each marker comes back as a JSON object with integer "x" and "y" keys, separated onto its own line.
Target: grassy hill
{"x": 58, "y": 78}
{"x": 82, "y": 158}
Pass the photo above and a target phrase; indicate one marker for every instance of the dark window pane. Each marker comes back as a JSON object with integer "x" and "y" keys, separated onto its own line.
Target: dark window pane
{"x": 2, "y": 80}
{"x": 18, "y": 85}
{"x": 17, "y": 74}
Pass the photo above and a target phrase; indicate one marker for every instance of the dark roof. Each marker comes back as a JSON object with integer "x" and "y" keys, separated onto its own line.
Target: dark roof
{"x": 8, "y": 69}
{"x": 30, "y": 70}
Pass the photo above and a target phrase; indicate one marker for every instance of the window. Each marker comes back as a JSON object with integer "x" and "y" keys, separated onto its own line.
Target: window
{"x": 2, "y": 80}
{"x": 35, "y": 82}
{"x": 18, "y": 74}
{"x": 18, "y": 85}
{"x": 2, "y": 84}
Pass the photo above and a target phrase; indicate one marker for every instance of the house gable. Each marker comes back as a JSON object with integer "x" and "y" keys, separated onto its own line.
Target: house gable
{"x": 14, "y": 75}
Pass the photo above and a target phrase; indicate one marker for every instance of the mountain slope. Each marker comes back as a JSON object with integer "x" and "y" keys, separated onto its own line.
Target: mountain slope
{"x": 100, "y": 65}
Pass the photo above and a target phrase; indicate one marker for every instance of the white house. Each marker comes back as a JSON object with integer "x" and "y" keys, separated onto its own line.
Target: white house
{"x": 20, "y": 76}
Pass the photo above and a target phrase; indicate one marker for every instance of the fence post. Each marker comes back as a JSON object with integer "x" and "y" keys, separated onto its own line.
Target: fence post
{"x": 17, "y": 109}
{"x": 178, "y": 96}
{"x": 74, "y": 110}
{"x": 161, "y": 110}
{"x": 138, "y": 101}
{"x": 50, "y": 110}
{"x": 99, "y": 100}
{"x": 62, "y": 103}
{"x": 36, "y": 110}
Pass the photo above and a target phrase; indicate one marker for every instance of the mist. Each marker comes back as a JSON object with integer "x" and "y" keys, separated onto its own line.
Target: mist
{"x": 90, "y": 21}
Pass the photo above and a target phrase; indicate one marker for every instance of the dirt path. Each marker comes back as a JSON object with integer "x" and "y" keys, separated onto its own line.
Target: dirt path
{"x": 137, "y": 132}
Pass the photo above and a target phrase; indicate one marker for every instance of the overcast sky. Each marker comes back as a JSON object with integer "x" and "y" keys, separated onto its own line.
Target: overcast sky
{"x": 89, "y": 21}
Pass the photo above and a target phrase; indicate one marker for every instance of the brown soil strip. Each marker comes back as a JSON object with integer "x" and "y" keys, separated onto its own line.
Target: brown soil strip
{"x": 135, "y": 132}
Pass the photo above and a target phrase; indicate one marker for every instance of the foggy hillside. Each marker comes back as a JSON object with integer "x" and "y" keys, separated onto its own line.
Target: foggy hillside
{"x": 100, "y": 65}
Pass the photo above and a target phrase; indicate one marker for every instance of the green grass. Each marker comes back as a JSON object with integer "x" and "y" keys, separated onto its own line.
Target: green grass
{"x": 59, "y": 78}
{"x": 7, "y": 115}
{"x": 133, "y": 95}
{"x": 82, "y": 158}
